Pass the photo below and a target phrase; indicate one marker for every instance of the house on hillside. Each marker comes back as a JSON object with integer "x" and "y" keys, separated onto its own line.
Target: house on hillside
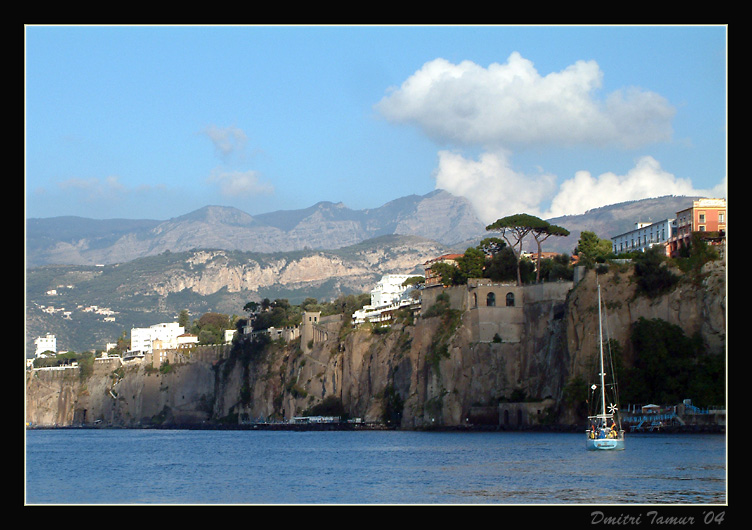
{"x": 389, "y": 295}
{"x": 165, "y": 335}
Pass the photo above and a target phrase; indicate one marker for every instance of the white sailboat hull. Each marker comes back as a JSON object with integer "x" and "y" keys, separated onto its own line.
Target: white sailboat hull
{"x": 605, "y": 444}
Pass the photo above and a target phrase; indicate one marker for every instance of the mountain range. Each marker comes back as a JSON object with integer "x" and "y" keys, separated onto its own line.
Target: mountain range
{"x": 437, "y": 216}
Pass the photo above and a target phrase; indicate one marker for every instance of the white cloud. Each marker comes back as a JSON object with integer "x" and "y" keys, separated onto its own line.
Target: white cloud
{"x": 647, "y": 179}
{"x": 492, "y": 186}
{"x": 227, "y": 140}
{"x": 496, "y": 190}
{"x": 512, "y": 105}
{"x": 230, "y": 142}
{"x": 239, "y": 183}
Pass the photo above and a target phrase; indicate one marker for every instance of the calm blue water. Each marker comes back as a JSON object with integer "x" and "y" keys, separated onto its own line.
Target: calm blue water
{"x": 272, "y": 467}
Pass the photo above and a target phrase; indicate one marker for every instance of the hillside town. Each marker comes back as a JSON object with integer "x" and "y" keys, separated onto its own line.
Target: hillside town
{"x": 395, "y": 292}
{"x": 494, "y": 315}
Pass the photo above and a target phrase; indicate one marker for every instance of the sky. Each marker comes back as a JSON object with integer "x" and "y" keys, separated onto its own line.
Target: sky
{"x": 154, "y": 122}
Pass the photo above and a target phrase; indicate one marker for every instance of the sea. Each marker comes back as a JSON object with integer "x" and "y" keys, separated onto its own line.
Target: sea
{"x": 265, "y": 467}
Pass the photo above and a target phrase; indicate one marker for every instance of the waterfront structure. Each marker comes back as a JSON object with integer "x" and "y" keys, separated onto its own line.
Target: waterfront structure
{"x": 388, "y": 295}
{"x": 644, "y": 236}
{"x": 705, "y": 215}
{"x": 164, "y": 336}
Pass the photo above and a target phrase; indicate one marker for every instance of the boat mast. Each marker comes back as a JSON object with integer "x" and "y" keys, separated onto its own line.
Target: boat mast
{"x": 603, "y": 373}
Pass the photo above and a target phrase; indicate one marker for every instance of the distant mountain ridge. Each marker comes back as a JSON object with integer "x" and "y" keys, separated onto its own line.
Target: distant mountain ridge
{"x": 437, "y": 216}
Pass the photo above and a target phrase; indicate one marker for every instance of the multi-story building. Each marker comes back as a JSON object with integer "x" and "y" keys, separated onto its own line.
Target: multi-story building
{"x": 644, "y": 236}
{"x": 164, "y": 335}
{"x": 705, "y": 215}
{"x": 388, "y": 295}
{"x": 46, "y": 343}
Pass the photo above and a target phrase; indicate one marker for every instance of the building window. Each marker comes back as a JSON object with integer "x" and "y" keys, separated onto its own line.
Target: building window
{"x": 510, "y": 299}
{"x": 491, "y": 300}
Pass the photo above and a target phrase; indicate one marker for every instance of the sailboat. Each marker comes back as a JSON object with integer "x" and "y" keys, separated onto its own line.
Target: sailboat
{"x": 604, "y": 432}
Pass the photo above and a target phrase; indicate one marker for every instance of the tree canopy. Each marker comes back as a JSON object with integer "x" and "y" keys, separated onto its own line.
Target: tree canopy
{"x": 493, "y": 259}
{"x": 541, "y": 233}
{"x": 592, "y": 249}
{"x": 514, "y": 229}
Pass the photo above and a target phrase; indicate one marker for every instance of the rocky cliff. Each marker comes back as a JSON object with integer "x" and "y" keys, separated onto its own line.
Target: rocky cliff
{"x": 425, "y": 370}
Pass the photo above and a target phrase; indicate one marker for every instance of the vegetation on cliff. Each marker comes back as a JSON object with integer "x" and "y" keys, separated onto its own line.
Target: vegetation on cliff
{"x": 670, "y": 367}
{"x": 450, "y": 321}
{"x": 493, "y": 259}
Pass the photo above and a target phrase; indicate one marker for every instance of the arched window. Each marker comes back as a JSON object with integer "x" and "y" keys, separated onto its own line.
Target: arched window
{"x": 491, "y": 300}
{"x": 510, "y": 299}
{"x": 475, "y": 299}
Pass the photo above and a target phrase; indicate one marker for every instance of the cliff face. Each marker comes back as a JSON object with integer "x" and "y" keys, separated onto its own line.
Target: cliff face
{"x": 432, "y": 370}
{"x": 696, "y": 308}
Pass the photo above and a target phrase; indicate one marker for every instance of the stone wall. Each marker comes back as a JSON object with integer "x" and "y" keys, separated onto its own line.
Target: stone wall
{"x": 496, "y": 309}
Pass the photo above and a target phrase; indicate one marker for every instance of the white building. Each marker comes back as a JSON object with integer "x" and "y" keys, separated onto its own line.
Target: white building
{"x": 644, "y": 236}
{"x": 187, "y": 340}
{"x": 167, "y": 335}
{"x": 46, "y": 343}
{"x": 388, "y": 295}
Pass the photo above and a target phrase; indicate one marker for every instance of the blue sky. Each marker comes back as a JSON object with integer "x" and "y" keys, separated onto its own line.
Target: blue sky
{"x": 152, "y": 122}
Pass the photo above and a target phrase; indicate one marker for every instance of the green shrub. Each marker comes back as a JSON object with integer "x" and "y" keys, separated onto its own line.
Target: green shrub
{"x": 652, "y": 274}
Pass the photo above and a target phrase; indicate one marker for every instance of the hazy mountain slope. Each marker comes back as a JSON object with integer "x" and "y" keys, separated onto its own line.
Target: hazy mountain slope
{"x": 438, "y": 216}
